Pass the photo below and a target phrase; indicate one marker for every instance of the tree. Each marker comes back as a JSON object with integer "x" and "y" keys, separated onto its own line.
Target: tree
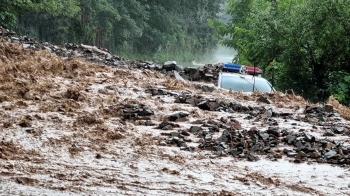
{"x": 301, "y": 42}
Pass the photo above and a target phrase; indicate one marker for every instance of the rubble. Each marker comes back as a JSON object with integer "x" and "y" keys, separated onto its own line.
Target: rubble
{"x": 119, "y": 125}
{"x": 238, "y": 141}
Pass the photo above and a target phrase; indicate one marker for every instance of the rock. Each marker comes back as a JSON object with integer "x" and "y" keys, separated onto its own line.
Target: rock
{"x": 234, "y": 152}
{"x": 175, "y": 134}
{"x": 149, "y": 123}
{"x": 175, "y": 140}
{"x": 31, "y": 130}
{"x": 224, "y": 119}
{"x": 268, "y": 113}
{"x": 225, "y": 137}
{"x": 169, "y": 65}
{"x": 252, "y": 158}
{"x": 185, "y": 133}
{"x": 286, "y": 112}
{"x": 329, "y": 145}
{"x": 207, "y": 136}
{"x": 264, "y": 136}
{"x": 145, "y": 112}
{"x": 338, "y": 130}
{"x": 328, "y": 108}
{"x": 277, "y": 156}
{"x": 195, "y": 129}
{"x": 298, "y": 161}
{"x": 24, "y": 124}
{"x": 254, "y": 148}
{"x": 309, "y": 138}
{"x": 264, "y": 100}
{"x": 291, "y": 139}
{"x": 178, "y": 116}
{"x": 186, "y": 139}
{"x": 301, "y": 154}
{"x": 292, "y": 154}
{"x": 98, "y": 156}
{"x": 165, "y": 123}
{"x": 330, "y": 154}
{"x": 274, "y": 131}
{"x": 315, "y": 155}
{"x": 313, "y": 109}
{"x": 204, "y": 105}
{"x": 329, "y": 133}
{"x": 167, "y": 127}
{"x": 299, "y": 145}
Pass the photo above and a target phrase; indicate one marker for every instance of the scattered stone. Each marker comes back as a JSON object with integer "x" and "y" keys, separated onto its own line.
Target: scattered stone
{"x": 301, "y": 155}
{"x": 338, "y": 130}
{"x": 328, "y": 108}
{"x": 175, "y": 134}
{"x": 98, "y": 156}
{"x": 286, "y": 112}
{"x": 195, "y": 129}
{"x": 292, "y": 154}
{"x": 274, "y": 131}
{"x": 329, "y": 133}
{"x": 24, "y": 124}
{"x": 178, "y": 116}
{"x": 30, "y": 130}
{"x": 329, "y": 145}
{"x": 264, "y": 136}
{"x": 204, "y": 105}
{"x": 167, "y": 125}
{"x": 252, "y": 158}
{"x": 186, "y": 139}
{"x": 315, "y": 155}
{"x": 264, "y": 100}
{"x": 330, "y": 154}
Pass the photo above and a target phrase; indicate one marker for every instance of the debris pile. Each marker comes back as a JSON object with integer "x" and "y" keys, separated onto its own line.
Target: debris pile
{"x": 240, "y": 142}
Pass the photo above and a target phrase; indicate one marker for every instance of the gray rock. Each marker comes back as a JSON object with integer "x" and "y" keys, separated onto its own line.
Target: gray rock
{"x": 169, "y": 66}
{"x": 330, "y": 154}
{"x": 264, "y": 100}
{"x": 204, "y": 105}
{"x": 274, "y": 131}
{"x": 145, "y": 112}
{"x": 207, "y": 137}
{"x": 329, "y": 133}
{"x": 338, "y": 130}
{"x": 195, "y": 129}
{"x": 328, "y": 108}
{"x": 175, "y": 134}
{"x": 178, "y": 116}
{"x": 315, "y": 155}
{"x": 292, "y": 154}
{"x": 264, "y": 136}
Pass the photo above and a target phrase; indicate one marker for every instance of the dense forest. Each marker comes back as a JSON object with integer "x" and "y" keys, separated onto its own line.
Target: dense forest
{"x": 302, "y": 45}
{"x": 153, "y": 29}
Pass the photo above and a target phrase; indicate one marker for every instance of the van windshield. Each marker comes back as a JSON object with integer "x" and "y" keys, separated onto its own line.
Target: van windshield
{"x": 245, "y": 84}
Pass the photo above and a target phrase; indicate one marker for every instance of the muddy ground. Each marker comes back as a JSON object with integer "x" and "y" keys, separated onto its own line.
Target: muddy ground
{"x": 66, "y": 128}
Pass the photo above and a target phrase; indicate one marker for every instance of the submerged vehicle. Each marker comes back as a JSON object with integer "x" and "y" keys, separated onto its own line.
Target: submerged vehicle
{"x": 243, "y": 78}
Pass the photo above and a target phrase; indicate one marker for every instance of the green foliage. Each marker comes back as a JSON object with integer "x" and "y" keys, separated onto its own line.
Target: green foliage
{"x": 339, "y": 86}
{"x": 297, "y": 42}
{"x": 158, "y": 29}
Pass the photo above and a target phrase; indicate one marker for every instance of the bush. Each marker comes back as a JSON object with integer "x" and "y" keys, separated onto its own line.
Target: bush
{"x": 339, "y": 86}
